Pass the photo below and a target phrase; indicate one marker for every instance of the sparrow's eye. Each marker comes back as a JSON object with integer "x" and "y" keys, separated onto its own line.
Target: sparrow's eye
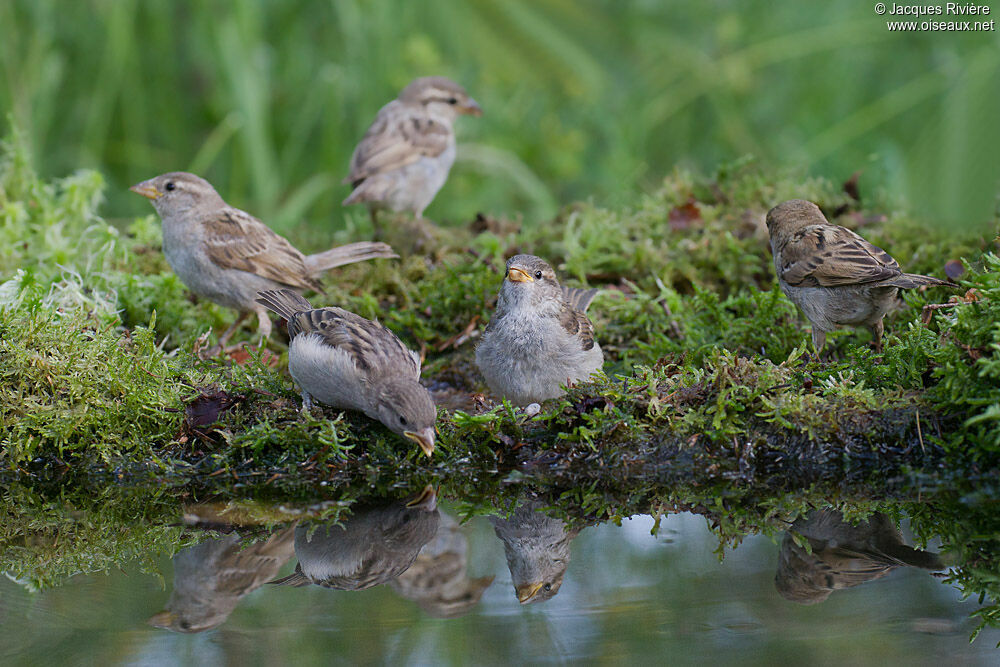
{"x": 169, "y": 186}
{"x": 185, "y": 625}
{"x": 452, "y": 100}
{"x": 547, "y": 587}
{"x": 402, "y": 420}
{"x": 538, "y": 275}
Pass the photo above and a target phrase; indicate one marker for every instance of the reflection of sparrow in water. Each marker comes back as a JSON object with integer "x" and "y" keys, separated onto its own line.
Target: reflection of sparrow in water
{"x": 437, "y": 580}
{"x": 842, "y": 555}
{"x": 375, "y": 544}
{"x": 836, "y": 277}
{"x": 404, "y": 158}
{"x": 349, "y": 362}
{"x": 212, "y": 576}
{"x": 537, "y": 551}
{"x": 539, "y": 338}
{"x": 226, "y": 255}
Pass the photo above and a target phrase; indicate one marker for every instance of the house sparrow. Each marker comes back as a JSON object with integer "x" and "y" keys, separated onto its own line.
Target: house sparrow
{"x": 539, "y": 339}
{"x": 836, "y": 277}
{"x": 404, "y": 158}
{"x": 537, "y": 551}
{"x": 226, "y": 255}
{"x": 842, "y": 555}
{"x": 346, "y": 361}
{"x": 211, "y": 577}
{"x": 376, "y": 543}
{"x": 437, "y": 580}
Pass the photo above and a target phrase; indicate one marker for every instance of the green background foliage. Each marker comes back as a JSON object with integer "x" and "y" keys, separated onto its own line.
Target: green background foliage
{"x": 595, "y": 99}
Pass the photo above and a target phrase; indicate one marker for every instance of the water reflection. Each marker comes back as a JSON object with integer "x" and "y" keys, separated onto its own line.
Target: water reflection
{"x": 438, "y": 579}
{"x": 537, "y": 549}
{"x": 211, "y": 577}
{"x": 834, "y": 554}
{"x": 378, "y": 542}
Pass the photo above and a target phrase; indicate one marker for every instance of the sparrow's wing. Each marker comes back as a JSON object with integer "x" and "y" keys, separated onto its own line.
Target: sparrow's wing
{"x": 830, "y": 255}
{"x": 370, "y": 345}
{"x": 400, "y": 135}
{"x": 235, "y": 239}
{"x": 579, "y": 298}
{"x": 577, "y": 324}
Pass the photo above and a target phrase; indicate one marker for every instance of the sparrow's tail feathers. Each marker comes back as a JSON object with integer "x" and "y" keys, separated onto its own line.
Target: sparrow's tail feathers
{"x": 927, "y": 560}
{"x": 284, "y": 302}
{"x": 296, "y": 579}
{"x": 912, "y": 280}
{"x": 348, "y": 254}
{"x": 579, "y": 298}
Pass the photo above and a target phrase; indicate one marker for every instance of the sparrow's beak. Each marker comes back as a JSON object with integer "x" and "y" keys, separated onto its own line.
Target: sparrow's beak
{"x": 527, "y": 592}
{"x": 516, "y": 275}
{"x": 423, "y": 438}
{"x": 471, "y": 107}
{"x": 147, "y": 190}
{"x": 165, "y": 619}
{"x": 427, "y": 500}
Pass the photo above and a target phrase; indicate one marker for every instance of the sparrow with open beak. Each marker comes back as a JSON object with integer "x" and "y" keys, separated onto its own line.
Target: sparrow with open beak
{"x": 375, "y": 544}
{"x": 836, "y": 277}
{"x": 539, "y": 339}
{"x": 404, "y": 158}
{"x": 226, "y": 255}
{"x": 346, "y": 361}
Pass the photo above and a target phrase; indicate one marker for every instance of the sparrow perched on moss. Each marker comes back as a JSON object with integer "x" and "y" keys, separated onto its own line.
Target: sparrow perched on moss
{"x": 438, "y": 580}
{"x": 404, "y": 158}
{"x": 211, "y": 577}
{"x": 836, "y": 277}
{"x": 226, "y": 255}
{"x": 539, "y": 338}
{"x": 377, "y": 543}
{"x": 537, "y": 550}
{"x": 346, "y": 361}
{"x": 842, "y": 555}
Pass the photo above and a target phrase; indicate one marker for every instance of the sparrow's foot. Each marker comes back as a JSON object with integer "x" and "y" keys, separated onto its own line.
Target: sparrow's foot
{"x": 307, "y": 404}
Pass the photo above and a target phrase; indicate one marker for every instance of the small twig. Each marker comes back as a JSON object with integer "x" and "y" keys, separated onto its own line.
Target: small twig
{"x": 920, "y": 434}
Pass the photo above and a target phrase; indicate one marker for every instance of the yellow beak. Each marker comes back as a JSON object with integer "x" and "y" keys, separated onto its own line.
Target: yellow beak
{"x": 426, "y": 500}
{"x": 527, "y": 592}
{"x": 165, "y": 619}
{"x": 516, "y": 275}
{"x": 423, "y": 438}
{"x": 147, "y": 190}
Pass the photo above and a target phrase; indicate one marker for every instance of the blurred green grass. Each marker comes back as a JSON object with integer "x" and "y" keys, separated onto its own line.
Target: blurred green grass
{"x": 584, "y": 100}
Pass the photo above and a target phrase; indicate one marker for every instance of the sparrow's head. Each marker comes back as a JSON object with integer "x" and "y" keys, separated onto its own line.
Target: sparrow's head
{"x": 440, "y": 96}
{"x": 530, "y": 282}
{"x": 788, "y": 217}
{"x": 177, "y": 192}
{"x": 406, "y": 407}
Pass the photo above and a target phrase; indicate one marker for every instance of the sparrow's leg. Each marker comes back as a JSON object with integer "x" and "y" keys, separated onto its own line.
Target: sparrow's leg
{"x": 307, "y": 402}
{"x": 819, "y": 340}
{"x": 877, "y": 330}
{"x": 224, "y": 338}
{"x": 376, "y": 225}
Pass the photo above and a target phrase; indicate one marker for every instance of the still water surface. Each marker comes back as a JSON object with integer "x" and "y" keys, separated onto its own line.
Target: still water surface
{"x": 625, "y": 596}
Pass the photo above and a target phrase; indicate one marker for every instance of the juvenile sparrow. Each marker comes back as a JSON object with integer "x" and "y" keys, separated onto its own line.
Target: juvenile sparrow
{"x": 539, "y": 338}
{"x": 226, "y": 255}
{"x": 842, "y": 555}
{"x": 537, "y": 550}
{"x": 836, "y": 277}
{"x": 404, "y": 158}
{"x": 346, "y": 361}
{"x": 211, "y": 577}
{"x": 375, "y": 544}
{"x": 437, "y": 580}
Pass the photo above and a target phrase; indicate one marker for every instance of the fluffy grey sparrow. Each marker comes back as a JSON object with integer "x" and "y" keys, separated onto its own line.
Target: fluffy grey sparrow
{"x": 836, "y": 277}
{"x": 375, "y": 544}
{"x": 842, "y": 555}
{"x": 537, "y": 550}
{"x": 437, "y": 580}
{"x": 226, "y": 255}
{"x": 211, "y": 577}
{"x": 539, "y": 338}
{"x": 404, "y": 158}
{"x": 346, "y": 361}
